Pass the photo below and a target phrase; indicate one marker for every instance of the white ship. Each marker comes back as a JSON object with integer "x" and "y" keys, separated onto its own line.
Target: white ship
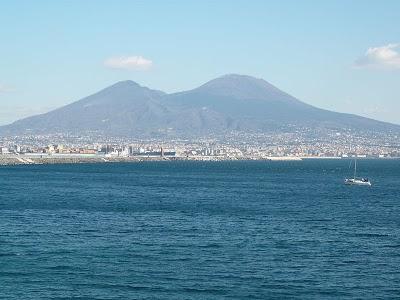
{"x": 355, "y": 180}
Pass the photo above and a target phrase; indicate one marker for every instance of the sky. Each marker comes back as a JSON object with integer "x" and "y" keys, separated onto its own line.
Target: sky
{"x": 337, "y": 55}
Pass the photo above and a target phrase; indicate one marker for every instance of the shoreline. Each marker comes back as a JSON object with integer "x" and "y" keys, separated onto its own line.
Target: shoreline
{"x": 12, "y": 160}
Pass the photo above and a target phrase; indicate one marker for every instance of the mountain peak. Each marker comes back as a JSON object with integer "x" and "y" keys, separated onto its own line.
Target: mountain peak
{"x": 244, "y": 87}
{"x": 126, "y": 87}
{"x": 235, "y": 76}
{"x": 125, "y": 83}
{"x": 233, "y": 79}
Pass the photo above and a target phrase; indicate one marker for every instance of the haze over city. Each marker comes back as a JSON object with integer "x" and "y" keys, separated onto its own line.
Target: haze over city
{"x": 337, "y": 55}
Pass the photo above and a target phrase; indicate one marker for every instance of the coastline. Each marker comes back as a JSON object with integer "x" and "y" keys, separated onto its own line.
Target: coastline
{"x": 12, "y": 160}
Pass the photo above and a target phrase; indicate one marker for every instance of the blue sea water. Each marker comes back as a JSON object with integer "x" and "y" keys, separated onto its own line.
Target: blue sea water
{"x": 200, "y": 230}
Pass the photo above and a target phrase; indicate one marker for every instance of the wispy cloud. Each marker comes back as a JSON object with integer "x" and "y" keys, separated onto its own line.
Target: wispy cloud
{"x": 5, "y": 88}
{"x": 10, "y": 112}
{"x": 128, "y": 63}
{"x": 384, "y": 57}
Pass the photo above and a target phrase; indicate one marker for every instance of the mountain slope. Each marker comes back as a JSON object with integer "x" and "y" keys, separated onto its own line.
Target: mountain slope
{"x": 247, "y": 103}
{"x": 121, "y": 108}
{"x": 230, "y": 102}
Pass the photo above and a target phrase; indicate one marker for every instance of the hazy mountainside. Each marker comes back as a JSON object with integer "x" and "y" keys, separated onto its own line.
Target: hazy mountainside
{"x": 247, "y": 103}
{"x": 230, "y": 102}
{"x": 119, "y": 108}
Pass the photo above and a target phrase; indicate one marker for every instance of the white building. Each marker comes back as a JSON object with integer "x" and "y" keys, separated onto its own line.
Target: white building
{"x": 4, "y": 150}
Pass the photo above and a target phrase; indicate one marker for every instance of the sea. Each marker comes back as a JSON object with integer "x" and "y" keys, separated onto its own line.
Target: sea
{"x": 200, "y": 230}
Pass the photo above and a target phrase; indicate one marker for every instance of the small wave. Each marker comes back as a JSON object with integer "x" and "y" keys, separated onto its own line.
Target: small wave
{"x": 392, "y": 246}
{"x": 371, "y": 235}
{"x": 60, "y": 267}
{"x": 211, "y": 245}
{"x": 317, "y": 220}
{"x": 8, "y": 254}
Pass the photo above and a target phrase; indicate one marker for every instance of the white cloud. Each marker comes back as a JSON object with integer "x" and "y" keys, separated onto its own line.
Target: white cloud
{"x": 384, "y": 57}
{"x": 128, "y": 63}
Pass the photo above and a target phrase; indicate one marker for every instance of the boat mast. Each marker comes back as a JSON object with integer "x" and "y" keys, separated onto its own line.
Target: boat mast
{"x": 355, "y": 167}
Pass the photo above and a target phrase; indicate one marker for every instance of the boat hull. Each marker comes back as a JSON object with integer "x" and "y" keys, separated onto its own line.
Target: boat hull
{"x": 357, "y": 182}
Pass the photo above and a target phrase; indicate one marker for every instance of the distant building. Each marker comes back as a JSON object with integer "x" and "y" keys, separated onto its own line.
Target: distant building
{"x": 4, "y": 150}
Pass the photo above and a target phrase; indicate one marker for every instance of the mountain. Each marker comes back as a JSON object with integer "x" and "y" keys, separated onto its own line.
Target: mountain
{"x": 246, "y": 103}
{"x": 123, "y": 108}
{"x": 228, "y": 103}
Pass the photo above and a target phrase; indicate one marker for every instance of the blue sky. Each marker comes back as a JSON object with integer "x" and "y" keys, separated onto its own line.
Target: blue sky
{"x": 339, "y": 55}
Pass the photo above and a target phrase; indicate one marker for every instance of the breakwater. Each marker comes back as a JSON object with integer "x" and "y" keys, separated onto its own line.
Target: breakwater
{"x": 48, "y": 159}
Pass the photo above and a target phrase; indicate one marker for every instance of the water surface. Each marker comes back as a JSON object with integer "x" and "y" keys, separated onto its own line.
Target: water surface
{"x": 200, "y": 230}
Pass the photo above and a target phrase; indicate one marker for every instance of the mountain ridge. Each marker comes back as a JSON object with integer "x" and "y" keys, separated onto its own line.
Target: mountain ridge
{"x": 231, "y": 102}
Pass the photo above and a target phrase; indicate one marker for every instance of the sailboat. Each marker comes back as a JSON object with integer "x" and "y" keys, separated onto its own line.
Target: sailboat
{"x": 355, "y": 180}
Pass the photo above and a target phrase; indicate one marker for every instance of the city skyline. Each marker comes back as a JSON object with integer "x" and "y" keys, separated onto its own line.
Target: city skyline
{"x": 339, "y": 56}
